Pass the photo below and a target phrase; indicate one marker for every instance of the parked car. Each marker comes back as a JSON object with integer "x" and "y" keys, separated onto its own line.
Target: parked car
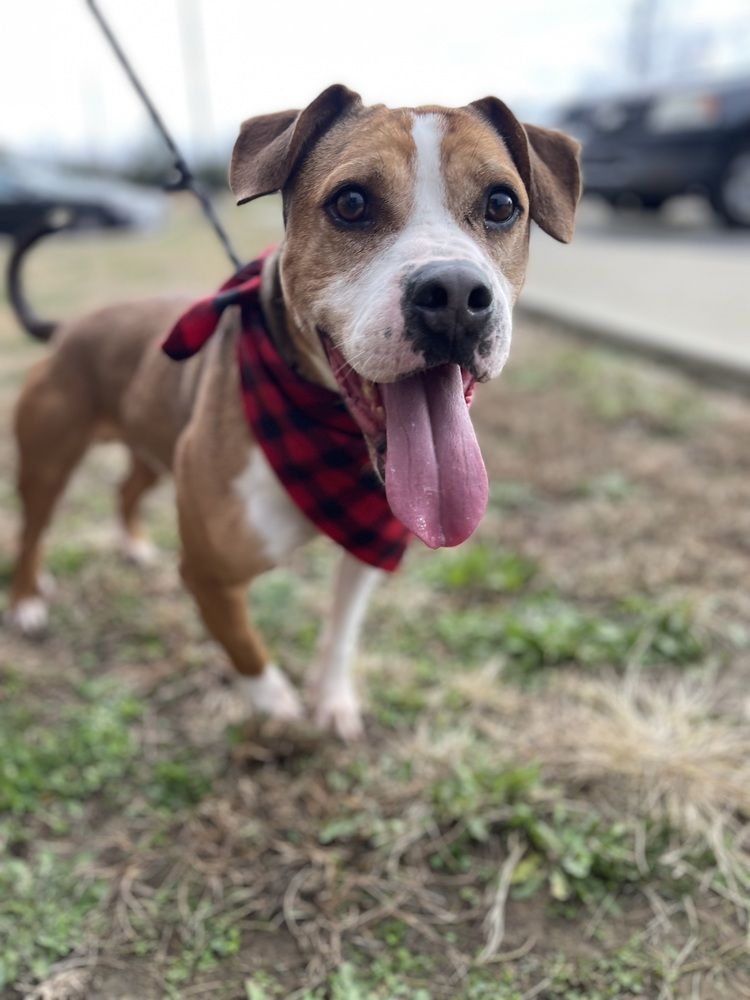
{"x": 37, "y": 201}
{"x": 643, "y": 148}
{"x": 29, "y": 191}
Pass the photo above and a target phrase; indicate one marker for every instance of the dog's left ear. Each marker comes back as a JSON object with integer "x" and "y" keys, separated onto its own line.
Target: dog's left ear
{"x": 270, "y": 147}
{"x": 548, "y": 163}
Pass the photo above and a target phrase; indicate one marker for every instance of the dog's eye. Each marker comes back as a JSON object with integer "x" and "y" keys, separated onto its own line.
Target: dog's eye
{"x": 349, "y": 205}
{"x": 501, "y": 206}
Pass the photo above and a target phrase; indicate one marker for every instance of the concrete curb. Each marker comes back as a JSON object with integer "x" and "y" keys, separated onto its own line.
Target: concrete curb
{"x": 717, "y": 364}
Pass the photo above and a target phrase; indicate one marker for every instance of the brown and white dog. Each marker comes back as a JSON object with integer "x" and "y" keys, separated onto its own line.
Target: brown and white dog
{"x": 406, "y": 243}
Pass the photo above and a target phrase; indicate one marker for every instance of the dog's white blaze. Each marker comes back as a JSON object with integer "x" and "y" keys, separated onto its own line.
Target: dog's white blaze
{"x": 271, "y": 513}
{"x": 371, "y": 305}
{"x": 430, "y": 202}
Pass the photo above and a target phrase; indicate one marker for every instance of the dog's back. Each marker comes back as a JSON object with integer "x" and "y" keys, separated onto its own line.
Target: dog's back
{"x": 93, "y": 363}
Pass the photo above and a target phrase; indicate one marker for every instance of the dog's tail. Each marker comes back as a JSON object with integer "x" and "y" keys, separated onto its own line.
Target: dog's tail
{"x": 39, "y": 328}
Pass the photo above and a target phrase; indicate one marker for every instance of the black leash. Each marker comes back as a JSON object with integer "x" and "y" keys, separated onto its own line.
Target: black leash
{"x": 186, "y": 181}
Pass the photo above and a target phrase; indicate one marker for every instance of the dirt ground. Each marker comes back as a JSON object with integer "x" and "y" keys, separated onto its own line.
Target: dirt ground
{"x": 239, "y": 860}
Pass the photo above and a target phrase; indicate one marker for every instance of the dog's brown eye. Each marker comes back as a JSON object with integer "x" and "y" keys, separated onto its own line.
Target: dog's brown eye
{"x": 501, "y": 206}
{"x": 349, "y": 205}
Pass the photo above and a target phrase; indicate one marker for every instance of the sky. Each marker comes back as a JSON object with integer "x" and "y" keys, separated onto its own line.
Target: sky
{"x": 209, "y": 64}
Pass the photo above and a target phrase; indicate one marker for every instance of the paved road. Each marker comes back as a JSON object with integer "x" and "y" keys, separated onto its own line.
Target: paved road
{"x": 677, "y": 283}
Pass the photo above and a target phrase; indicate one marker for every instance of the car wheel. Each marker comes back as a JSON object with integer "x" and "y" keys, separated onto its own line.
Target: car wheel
{"x": 652, "y": 202}
{"x": 731, "y": 198}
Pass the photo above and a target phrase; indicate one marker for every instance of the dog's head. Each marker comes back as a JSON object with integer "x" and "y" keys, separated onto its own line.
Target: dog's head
{"x": 406, "y": 247}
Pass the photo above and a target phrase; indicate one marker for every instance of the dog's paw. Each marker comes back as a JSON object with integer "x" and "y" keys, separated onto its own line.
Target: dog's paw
{"x": 28, "y": 616}
{"x": 272, "y": 694}
{"x": 338, "y": 711}
{"x": 139, "y": 551}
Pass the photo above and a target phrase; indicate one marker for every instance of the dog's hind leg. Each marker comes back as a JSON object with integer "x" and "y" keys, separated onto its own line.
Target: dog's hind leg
{"x": 331, "y": 687}
{"x": 134, "y": 544}
{"x": 53, "y": 432}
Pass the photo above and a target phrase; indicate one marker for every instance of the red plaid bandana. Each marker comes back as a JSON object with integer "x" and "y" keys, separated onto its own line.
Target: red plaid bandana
{"x": 306, "y": 432}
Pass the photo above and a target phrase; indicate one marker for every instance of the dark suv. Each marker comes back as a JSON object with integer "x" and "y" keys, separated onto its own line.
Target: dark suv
{"x": 644, "y": 148}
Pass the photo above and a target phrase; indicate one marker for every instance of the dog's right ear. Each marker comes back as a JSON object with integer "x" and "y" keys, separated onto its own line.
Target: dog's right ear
{"x": 269, "y": 147}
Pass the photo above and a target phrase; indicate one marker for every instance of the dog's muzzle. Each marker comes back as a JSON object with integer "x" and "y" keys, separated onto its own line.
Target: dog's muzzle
{"x": 448, "y": 310}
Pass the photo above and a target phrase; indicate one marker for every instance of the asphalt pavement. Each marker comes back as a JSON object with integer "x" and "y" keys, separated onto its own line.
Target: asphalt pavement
{"x": 675, "y": 283}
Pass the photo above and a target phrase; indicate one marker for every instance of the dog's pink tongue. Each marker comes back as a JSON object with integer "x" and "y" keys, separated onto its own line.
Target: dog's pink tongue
{"x": 435, "y": 478}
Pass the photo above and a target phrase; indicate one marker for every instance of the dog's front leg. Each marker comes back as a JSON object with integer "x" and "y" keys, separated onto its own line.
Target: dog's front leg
{"x": 331, "y": 687}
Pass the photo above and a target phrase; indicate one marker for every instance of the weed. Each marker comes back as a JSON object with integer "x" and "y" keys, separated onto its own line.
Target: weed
{"x": 218, "y": 942}
{"x": 43, "y": 908}
{"x": 48, "y": 773}
{"x": 396, "y": 706}
{"x": 67, "y": 560}
{"x": 176, "y": 784}
{"x": 480, "y": 570}
{"x": 616, "y": 389}
{"x": 469, "y": 791}
{"x": 612, "y": 485}
{"x": 570, "y": 847}
{"x": 279, "y": 608}
{"x": 262, "y": 987}
{"x": 580, "y": 856}
{"x": 616, "y": 393}
{"x": 545, "y": 631}
{"x": 89, "y": 749}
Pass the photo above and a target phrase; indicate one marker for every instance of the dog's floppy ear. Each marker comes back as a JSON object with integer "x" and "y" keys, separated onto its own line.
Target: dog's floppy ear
{"x": 548, "y": 163}
{"x": 269, "y": 147}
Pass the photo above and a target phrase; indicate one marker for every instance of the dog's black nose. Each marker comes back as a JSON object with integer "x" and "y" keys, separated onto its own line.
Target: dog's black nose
{"x": 449, "y": 298}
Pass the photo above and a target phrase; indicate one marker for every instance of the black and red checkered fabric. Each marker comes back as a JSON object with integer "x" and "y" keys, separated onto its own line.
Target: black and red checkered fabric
{"x": 308, "y": 436}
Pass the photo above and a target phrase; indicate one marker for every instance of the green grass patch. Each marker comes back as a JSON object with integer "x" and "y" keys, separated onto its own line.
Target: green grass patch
{"x": 47, "y": 769}
{"x": 612, "y": 485}
{"x": 52, "y": 772}
{"x": 617, "y": 389}
{"x": 544, "y": 631}
{"x": 479, "y": 569}
{"x": 68, "y": 560}
{"x": 43, "y": 910}
{"x": 279, "y": 606}
{"x": 177, "y": 784}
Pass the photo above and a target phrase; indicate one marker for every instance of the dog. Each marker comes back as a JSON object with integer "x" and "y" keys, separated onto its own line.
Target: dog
{"x": 405, "y": 248}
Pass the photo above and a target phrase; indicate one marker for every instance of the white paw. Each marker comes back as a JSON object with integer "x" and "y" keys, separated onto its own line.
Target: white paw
{"x": 272, "y": 694}
{"x": 137, "y": 550}
{"x": 28, "y": 616}
{"x": 339, "y": 712}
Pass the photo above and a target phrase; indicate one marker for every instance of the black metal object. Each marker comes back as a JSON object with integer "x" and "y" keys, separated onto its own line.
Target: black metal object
{"x": 186, "y": 181}
{"x": 52, "y": 222}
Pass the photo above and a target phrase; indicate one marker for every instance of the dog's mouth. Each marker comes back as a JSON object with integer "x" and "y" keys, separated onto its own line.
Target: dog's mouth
{"x": 423, "y": 444}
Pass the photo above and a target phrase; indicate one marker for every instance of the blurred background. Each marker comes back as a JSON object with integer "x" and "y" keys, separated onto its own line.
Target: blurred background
{"x": 658, "y": 92}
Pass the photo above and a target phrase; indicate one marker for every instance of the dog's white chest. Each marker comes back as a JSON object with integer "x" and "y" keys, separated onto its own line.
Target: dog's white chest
{"x": 271, "y": 514}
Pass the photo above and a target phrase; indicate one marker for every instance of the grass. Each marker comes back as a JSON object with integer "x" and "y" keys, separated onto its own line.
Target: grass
{"x": 615, "y": 388}
{"x": 552, "y": 798}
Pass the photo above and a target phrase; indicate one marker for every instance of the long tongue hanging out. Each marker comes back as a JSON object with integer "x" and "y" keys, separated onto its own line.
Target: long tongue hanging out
{"x": 435, "y": 479}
